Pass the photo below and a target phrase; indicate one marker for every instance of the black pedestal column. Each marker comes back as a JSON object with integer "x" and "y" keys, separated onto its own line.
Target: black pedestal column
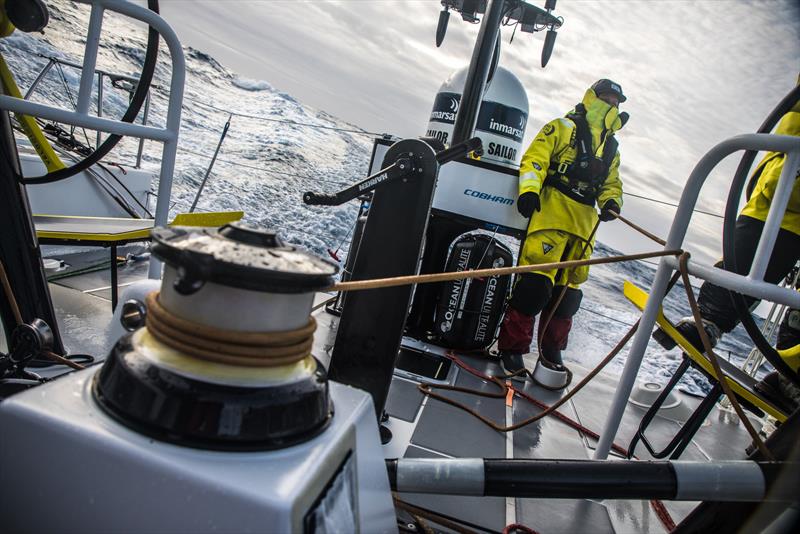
{"x": 19, "y": 248}
{"x": 371, "y": 325}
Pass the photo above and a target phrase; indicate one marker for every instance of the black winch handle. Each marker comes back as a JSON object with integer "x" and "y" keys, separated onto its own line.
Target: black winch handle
{"x": 460, "y": 150}
{"x": 319, "y": 199}
{"x": 399, "y": 169}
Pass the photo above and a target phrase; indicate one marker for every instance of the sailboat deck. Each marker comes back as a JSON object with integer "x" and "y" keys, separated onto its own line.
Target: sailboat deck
{"x": 423, "y": 427}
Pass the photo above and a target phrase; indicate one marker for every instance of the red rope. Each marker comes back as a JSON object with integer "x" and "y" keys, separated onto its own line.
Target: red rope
{"x": 663, "y": 514}
{"x": 518, "y": 527}
{"x": 658, "y": 507}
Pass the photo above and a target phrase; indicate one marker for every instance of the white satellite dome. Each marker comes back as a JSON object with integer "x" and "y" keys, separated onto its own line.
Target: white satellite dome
{"x": 501, "y": 120}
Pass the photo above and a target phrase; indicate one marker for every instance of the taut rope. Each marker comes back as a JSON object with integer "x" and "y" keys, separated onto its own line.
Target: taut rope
{"x": 358, "y": 285}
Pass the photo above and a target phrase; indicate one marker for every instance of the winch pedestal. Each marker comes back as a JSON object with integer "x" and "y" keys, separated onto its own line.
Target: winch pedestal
{"x": 212, "y": 417}
{"x": 97, "y": 475}
{"x": 371, "y": 326}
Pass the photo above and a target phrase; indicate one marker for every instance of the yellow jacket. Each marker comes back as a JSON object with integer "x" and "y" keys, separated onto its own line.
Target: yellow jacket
{"x": 6, "y": 28}
{"x": 552, "y": 147}
{"x": 771, "y": 167}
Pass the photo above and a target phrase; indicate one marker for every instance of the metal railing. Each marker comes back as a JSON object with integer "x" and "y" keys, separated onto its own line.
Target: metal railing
{"x": 776, "y": 313}
{"x": 101, "y": 76}
{"x": 81, "y": 117}
{"x": 752, "y": 284}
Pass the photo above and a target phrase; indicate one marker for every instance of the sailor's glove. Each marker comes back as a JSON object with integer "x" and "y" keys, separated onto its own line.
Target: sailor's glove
{"x": 527, "y": 203}
{"x": 609, "y": 207}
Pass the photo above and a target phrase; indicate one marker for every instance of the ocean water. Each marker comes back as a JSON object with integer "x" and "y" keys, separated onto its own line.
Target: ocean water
{"x": 276, "y": 149}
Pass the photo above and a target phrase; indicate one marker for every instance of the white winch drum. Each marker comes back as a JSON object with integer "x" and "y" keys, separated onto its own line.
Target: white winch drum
{"x": 244, "y": 310}
{"x": 501, "y": 120}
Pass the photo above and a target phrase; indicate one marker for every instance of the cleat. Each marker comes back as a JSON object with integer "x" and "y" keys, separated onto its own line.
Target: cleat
{"x": 553, "y": 376}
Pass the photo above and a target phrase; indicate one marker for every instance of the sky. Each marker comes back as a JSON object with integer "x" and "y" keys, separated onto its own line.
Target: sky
{"x": 695, "y": 74}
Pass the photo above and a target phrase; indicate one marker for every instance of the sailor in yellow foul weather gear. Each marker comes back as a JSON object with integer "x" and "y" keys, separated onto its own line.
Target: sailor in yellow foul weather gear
{"x": 769, "y": 171}
{"x": 569, "y": 171}
{"x": 775, "y": 387}
{"x": 716, "y": 308}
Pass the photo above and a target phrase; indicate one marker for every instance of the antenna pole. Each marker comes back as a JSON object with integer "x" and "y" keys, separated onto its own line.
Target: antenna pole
{"x": 478, "y": 72}
{"x": 211, "y": 165}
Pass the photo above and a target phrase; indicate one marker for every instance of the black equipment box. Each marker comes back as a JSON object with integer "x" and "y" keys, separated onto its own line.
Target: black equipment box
{"x": 469, "y": 311}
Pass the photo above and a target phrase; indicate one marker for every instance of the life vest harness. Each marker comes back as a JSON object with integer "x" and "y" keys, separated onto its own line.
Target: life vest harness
{"x": 582, "y": 179}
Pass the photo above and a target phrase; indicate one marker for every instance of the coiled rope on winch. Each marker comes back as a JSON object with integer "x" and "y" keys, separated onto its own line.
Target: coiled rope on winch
{"x": 247, "y": 349}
